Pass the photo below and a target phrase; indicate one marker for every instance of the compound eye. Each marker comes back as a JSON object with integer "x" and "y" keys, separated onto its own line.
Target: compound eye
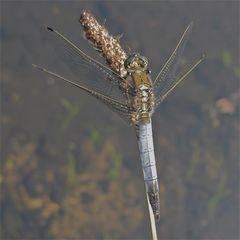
{"x": 135, "y": 62}
{"x": 129, "y": 62}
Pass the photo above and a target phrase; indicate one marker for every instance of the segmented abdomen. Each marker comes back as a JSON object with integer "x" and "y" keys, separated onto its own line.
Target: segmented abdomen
{"x": 146, "y": 149}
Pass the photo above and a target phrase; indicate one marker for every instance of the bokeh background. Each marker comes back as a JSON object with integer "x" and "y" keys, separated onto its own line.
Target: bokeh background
{"x": 70, "y": 168}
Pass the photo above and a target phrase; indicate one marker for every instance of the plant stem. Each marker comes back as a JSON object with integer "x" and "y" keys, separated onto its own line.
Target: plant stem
{"x": 152, "y": 220}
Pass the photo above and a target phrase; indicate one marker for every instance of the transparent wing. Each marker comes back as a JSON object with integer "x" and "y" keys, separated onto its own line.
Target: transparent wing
{"x": 122, "y": 109}
{"x": 105, "y": 81}
{"x": 177, "y": 81}
{"x": 166, "y": 80}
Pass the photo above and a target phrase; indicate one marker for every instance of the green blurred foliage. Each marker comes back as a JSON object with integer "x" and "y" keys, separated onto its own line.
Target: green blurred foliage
{"x": 71, "y": 167}
{"x": 237, "y": 71}
{"x": 72, "y": 110}
{"x": 97, "y": 198}
{"x": 217, "y": 198}
{"x": 96, "y": 137}
{"x": 195, "y": 161}
{"x": 226, "y": 58}
{"x": 228, "y": 62}
{"x": 116, "y": 159}
{"x": 25, "y": 187}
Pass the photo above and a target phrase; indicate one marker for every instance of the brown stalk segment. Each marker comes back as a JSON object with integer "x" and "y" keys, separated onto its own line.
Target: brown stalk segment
{"x": 107, "y": 45}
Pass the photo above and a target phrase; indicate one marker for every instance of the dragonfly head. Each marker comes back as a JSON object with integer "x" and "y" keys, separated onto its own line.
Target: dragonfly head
{"x": 135, "y": 62}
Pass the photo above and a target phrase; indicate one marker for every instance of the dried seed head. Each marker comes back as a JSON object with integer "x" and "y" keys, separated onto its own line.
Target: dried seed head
{"x": 107, "y": 45}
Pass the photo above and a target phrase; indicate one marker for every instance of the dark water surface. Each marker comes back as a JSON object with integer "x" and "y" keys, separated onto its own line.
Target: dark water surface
{"x": 70, "y": 168}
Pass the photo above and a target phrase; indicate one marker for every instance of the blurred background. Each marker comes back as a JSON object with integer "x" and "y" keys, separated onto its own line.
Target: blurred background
{"x": 70, "y": 168}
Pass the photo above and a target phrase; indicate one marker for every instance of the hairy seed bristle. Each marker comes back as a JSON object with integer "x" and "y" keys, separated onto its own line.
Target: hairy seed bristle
{"x": 107, "y": 45}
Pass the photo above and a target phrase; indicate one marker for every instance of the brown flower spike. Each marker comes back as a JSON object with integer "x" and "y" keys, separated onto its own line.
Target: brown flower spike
{"x": 108, "y": 46}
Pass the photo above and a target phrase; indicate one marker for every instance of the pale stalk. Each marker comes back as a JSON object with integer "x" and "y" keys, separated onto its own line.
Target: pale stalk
{"x": 152, "y": 220}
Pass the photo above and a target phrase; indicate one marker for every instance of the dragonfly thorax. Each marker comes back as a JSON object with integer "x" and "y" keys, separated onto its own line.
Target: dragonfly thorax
{"x": 138, "y": 76}
{"x": 143, "y": 103}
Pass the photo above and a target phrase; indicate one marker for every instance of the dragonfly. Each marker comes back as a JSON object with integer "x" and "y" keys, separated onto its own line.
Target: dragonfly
{"x": 134, "y": 96}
